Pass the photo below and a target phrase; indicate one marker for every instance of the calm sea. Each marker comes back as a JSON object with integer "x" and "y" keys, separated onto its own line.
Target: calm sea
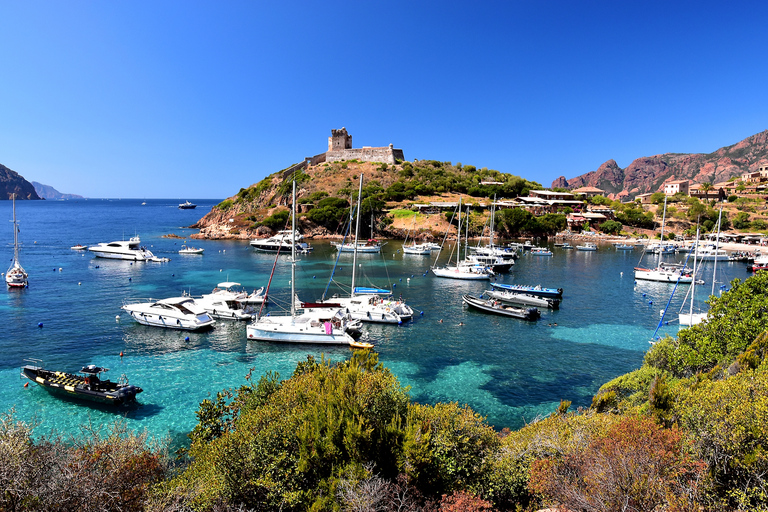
{"x": 508, "y": 370}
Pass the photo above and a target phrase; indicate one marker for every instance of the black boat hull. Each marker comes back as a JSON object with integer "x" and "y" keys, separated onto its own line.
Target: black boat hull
{"x": 76, "y": 387}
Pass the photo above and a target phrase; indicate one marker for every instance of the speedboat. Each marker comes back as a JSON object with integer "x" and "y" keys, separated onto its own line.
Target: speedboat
{"x": 257, "y": 296}
{"x": 88, "y": 386}
{"x": 527, "y": 299}
{"x": 587, "y": 246}
{"x": 418, "y": 249}
{"x": 537, "y": 290}
{"x": 498, "y": 308}
{"x": 540, "y": 251}
{"x": 282, "y": 242}
{"x": 190, "y": 250}
{"x": 79, "y": 247}
{"x": 186, "y": 205}
{"x": 123, "y": 250}
{"x": 366, "y": 308}
{"x": 174, "y": 313}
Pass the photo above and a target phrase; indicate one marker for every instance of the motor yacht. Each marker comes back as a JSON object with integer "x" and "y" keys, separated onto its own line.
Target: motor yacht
{"x": 282, "y": 242}
{"x": 173, "y": 313}
{"x": 186, "y": 205}
{"x": 123, "y": 250}
{"x": 225, "y": 302}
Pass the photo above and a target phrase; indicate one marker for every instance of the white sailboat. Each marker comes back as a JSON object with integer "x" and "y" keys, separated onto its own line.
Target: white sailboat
{"x": 365, "y": 307}
{"x": 414, "y": 248}
{"x": 16, "y": 277}
{"x": 325, "y": 327}
{"x": 664, "y": 272}
{"x": 473, "y": 272}
{"x": 691, "y": 318}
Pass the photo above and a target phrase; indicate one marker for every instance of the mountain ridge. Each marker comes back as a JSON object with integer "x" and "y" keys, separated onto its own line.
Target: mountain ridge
{"x": 12, "y": 182}
{"x": 649, "y": 173}
{"x": 48, "y": 192}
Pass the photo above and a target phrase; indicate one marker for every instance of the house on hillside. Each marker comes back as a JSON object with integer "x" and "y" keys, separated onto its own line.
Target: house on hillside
{"x": 676, "y": 187}
{"x": 715, "y": 192}
{"x": 644, "y": 198}
{"x": 588, "y": 192}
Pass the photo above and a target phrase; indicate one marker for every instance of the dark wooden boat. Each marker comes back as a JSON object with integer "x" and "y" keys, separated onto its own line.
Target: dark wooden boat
{"x": 498, "y": 308}
{"x": 88, "y": 386}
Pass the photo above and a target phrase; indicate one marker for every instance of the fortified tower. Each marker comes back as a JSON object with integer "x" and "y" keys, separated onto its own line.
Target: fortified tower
{"x": 339, "y": 140}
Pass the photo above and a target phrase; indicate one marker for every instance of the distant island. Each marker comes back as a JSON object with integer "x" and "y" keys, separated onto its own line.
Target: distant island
{"x": 48, "y": 192}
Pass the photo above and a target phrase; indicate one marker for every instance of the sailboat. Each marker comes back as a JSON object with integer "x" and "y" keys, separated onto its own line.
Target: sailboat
{"x": 328, "y": 327}
{"x": 16, "y": 277}
{"x": 664, "y": 272}
{"x": 414, "y": 248}
{"x": 365, "y": 304}
{"x": 465, "y": 271}
{"x": 691, "y": 318}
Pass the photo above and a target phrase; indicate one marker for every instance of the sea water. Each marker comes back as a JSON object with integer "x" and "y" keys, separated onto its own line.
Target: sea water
{"x": 510, "y": 371}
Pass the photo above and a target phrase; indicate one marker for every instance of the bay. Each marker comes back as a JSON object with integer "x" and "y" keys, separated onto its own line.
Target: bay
{"x": 508, "y": 370}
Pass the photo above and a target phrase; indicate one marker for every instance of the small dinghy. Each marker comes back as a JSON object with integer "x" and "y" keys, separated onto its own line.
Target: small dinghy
{"x": 185, "y": 249}
{"x": 88, "y": 386}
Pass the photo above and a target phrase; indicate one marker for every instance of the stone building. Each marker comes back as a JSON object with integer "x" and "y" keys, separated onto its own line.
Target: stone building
{"x": 678, "y": 186}
{"x": 340, "y": 148}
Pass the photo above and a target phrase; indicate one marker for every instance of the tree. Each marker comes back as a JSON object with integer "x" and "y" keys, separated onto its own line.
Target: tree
{"x": 706, "y": 187}
{"x": 611, "y": 227}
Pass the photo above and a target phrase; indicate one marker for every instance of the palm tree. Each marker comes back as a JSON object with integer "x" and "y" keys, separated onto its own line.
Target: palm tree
{"x": 706, "y": 187}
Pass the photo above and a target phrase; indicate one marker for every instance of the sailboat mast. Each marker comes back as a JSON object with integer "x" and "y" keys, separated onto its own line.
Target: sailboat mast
{"x": 293, "y": 253}
{"x": 693, "y": 283}
{"x": 458, "y": 237}
{"x": 493, "y": 215}
{"x": 717, "y": 246}
{"x": 357, "y": 230}
{"x": 466, "y": 232}
{"x": 663, "y": 221}
{"x": 15, "y": 233}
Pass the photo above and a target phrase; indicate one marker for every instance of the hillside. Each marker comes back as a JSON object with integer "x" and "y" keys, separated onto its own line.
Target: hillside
{"x": 648, "y": 174}
{"x": 12, "y": 182}
{"x": 324, "y": 192}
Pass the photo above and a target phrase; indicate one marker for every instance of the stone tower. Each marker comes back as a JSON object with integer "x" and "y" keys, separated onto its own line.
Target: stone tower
{"x": 339, "y": 140}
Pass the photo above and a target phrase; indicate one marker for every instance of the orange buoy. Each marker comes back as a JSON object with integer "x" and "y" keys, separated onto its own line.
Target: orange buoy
{"x": 26, "y": 384}
{"x": 121, "y": 353}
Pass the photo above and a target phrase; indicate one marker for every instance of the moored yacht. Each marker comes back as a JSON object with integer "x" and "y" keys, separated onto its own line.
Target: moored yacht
{"x": 186, "y": 205}
{"x": 225, "y": 302}
{"x": 173, "y": 313}
{"x": 282, "y": 242}
{"x": 123, "y": 250}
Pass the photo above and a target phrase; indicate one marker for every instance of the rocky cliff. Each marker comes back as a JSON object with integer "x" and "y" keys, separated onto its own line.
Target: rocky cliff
{"x": 12, "y": 182}
{"x": 648, "y": 174}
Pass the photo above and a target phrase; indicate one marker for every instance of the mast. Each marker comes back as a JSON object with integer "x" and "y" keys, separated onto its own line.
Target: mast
{"x": 663, "y": 220}
{"x": 466, "y": 243}
{"x": 493, "y": 214}
{"x": 458, "y": 237}
{"x": 717, "y": 246}
{"x": 293, "y": 253}
{"x": 693, "y": 284}
{"x": 357, "y": 229}
{"x": 15, "y": 234}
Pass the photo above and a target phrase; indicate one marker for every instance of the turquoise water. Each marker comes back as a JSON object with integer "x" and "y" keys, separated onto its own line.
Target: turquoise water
{"x": 508, "y": 370}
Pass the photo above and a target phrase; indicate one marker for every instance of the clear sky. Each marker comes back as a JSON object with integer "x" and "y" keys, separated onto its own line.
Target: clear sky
{"x": 196, "y": 99}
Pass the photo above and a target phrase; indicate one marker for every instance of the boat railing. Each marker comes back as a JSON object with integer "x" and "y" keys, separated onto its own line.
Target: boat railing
{"x": 131, "y": 302}
{"x": 35, "y": 364}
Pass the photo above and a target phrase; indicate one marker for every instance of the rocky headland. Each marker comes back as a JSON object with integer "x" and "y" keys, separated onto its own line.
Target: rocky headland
{"x": 12, "y": 183}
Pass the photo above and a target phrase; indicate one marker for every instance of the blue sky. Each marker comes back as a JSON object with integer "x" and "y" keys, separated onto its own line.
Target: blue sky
{"x": 195, "y": 99}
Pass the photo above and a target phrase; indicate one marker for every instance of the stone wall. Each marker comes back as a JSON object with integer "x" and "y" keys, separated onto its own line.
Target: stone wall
{"x": 387, "y": 155}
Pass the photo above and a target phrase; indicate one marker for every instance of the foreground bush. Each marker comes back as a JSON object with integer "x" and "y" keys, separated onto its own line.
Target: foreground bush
{"x": 110, "y": 469}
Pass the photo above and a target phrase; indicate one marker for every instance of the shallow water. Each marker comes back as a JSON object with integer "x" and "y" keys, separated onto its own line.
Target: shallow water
{"x": 509, "y": 370}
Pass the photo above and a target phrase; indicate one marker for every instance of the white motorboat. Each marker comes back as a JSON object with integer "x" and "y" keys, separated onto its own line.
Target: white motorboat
{"x": 173, "y": 313}
{"x": 16, "y": 276}
{"x": 257, "y": 296}
{"x": 586, "y": 246}
{"x": 326, "y": 328}
{"x": 282, "y": 241}
{"x": 711, "y": 254}
{"x": 123, "y": 250}
{"x": 527, "y": 299}
{"x": 540, "y": 251}
{"x": 185, "y": 249}
{"x": 79, "y": 247}
{"x": 495, "y": 263}
{"x": 469, "y": 272}
{"x": 225, "y": 302}
{"x": 186, "y": 205}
